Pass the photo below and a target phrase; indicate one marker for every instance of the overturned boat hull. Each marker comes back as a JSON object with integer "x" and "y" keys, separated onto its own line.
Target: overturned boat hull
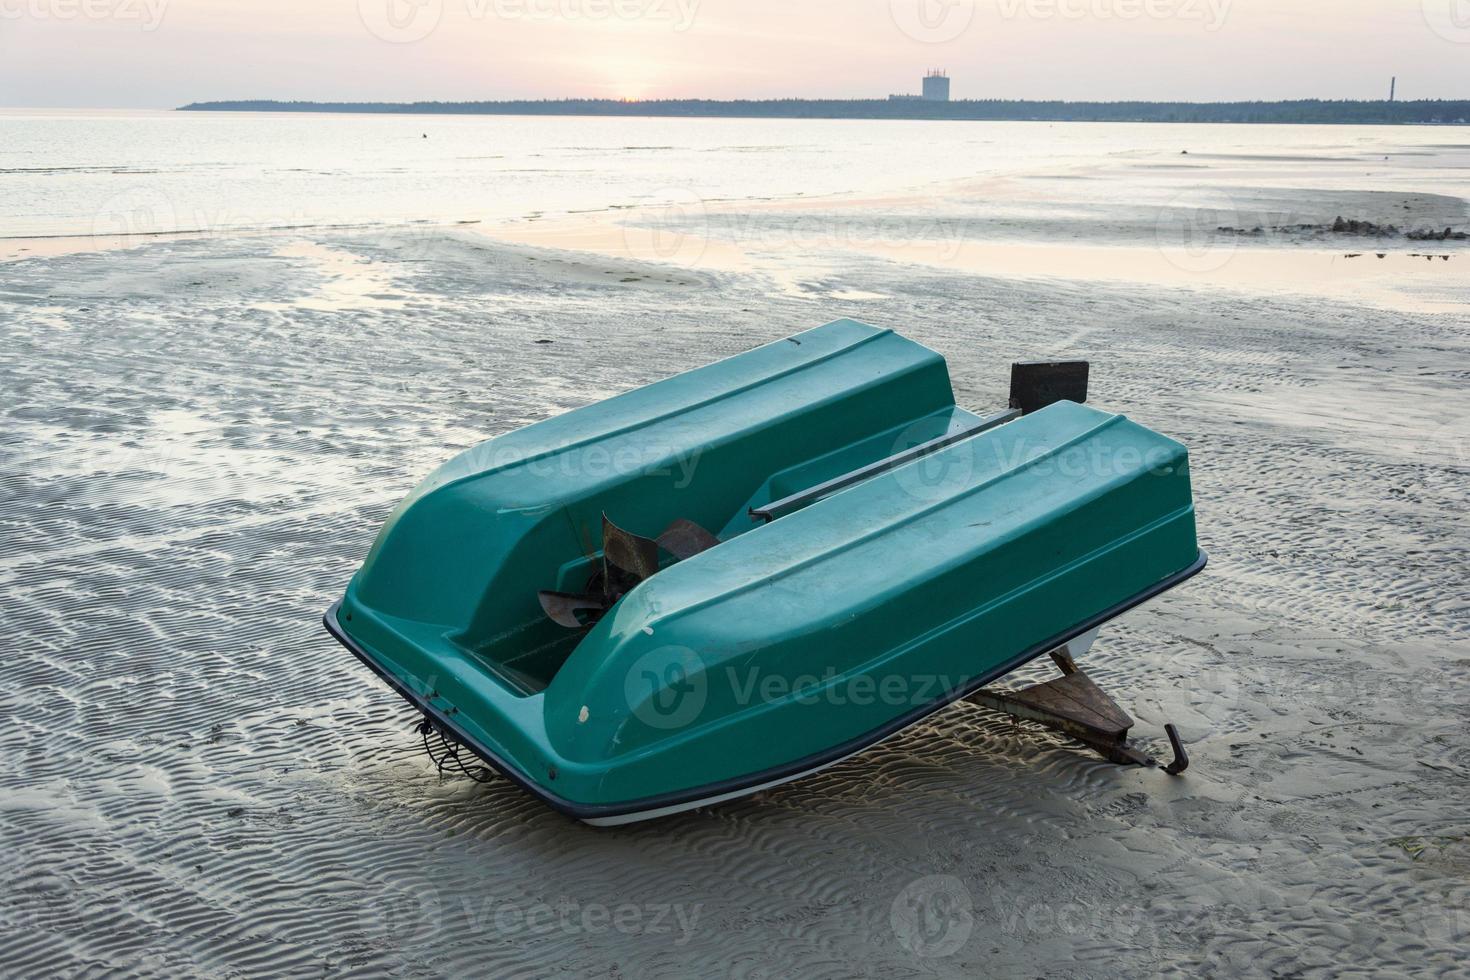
{"x": 875, "y": 553}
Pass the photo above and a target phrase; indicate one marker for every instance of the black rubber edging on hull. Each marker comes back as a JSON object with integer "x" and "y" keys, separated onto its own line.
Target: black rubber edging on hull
{"x": 583, "y": 811}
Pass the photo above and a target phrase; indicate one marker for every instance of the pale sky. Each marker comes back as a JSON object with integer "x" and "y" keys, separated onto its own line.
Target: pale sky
{"x": 162, "y": 53}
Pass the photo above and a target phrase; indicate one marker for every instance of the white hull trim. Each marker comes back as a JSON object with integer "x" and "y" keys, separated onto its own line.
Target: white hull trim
{"x": 664, "y": 811}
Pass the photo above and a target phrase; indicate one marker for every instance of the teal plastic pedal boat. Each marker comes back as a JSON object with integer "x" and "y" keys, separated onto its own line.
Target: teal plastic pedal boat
{"x": 745, "y": 573}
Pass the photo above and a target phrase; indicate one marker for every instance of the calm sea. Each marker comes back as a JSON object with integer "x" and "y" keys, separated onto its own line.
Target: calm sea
{"x": 132, "y": 172}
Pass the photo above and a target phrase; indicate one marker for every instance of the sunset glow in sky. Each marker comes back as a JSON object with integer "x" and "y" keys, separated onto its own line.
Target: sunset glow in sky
{"x": 161, "y": 53}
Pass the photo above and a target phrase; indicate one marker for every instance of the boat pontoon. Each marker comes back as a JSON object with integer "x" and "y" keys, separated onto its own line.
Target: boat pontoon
{"x": 748, "y": 572}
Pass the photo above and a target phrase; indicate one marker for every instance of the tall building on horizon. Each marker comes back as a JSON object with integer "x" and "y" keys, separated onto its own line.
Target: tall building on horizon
{"x": 936, "y": 89}
{"x": 936, "y": 86}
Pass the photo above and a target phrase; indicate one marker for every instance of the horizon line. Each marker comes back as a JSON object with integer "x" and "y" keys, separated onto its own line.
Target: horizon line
{"x": 883, "y": 100}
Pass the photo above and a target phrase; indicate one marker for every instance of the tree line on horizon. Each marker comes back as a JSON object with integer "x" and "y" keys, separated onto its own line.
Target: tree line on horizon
{"x": 1423, "y": 111}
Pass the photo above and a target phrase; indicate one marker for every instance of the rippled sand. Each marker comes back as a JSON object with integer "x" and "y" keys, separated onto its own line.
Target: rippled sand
{"x": 201, "y": 438}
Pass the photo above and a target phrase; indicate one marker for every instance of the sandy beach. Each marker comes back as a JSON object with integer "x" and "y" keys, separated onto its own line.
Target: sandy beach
{"x": 203, "y": 433}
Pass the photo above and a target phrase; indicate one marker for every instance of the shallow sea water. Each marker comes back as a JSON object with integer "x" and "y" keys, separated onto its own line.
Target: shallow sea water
{"x": 131, "y": 173}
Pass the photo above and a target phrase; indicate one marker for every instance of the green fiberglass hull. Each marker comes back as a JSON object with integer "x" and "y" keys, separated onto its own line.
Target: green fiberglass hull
{"x": 813, "y": 628}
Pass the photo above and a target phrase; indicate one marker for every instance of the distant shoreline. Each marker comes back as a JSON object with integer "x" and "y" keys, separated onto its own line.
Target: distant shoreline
{"x": 1442, "y": 112}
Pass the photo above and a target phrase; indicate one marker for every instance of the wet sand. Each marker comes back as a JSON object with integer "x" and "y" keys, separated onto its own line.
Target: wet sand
{"x": 202, "y": 436}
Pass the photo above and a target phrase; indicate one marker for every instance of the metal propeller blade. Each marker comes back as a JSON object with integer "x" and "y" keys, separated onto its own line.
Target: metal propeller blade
{"x": 627, "y": 559}
{"x": 636, "y": 558}
{"x": 563, "y": 607}
{"x": 685, "y": 539}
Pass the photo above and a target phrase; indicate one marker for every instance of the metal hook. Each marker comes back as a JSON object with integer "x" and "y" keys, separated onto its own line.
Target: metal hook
{"x": 1181, "y": 757}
